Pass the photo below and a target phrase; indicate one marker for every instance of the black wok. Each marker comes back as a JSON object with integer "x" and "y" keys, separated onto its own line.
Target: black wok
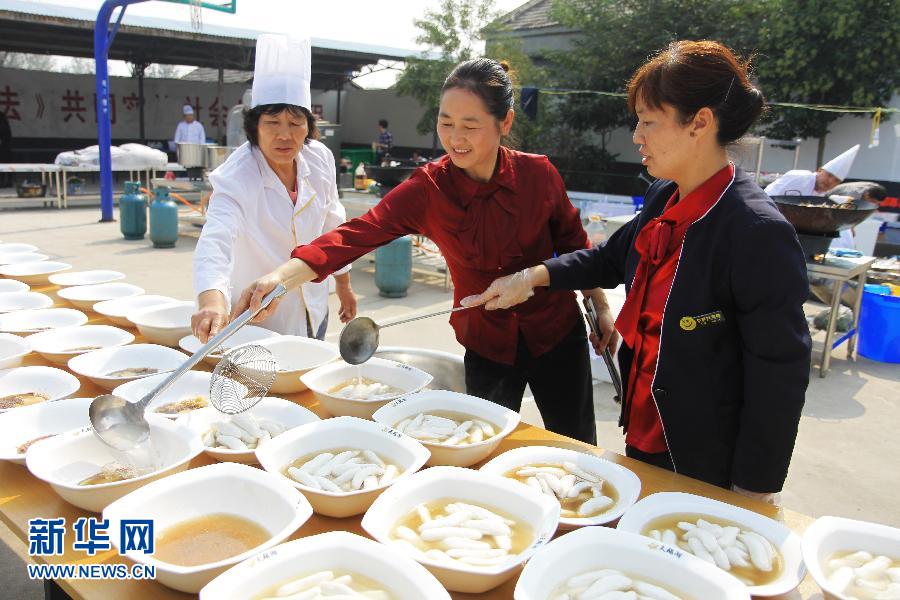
{"x": 389, "y": 176}
{"x": 815, "y": 214}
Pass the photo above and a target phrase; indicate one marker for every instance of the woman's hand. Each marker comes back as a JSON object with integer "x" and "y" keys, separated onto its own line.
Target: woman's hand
{"x": 346, "y": 296}
{"x": 291, "y": 274}
{"x": 509, "y": 291}
{"x": 253, "y": 296}
{"x": 773, "y": 498}
{"x": 211, "y": 316}
{"x": 609, "y": 335}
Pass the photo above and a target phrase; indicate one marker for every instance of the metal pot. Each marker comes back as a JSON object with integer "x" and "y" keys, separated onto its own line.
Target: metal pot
{"x": 31, "y": 190}
{"x": 216, "y": 155}
{"x": 191, "y": 155}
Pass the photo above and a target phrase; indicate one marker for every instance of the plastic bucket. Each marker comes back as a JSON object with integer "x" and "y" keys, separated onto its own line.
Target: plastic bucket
{"x": 879, "y": 327}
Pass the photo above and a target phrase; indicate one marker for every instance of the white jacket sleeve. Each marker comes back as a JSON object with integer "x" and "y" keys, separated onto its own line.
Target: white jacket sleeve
{"x": 214, "y": 255}
{"x": 335, "y": 213}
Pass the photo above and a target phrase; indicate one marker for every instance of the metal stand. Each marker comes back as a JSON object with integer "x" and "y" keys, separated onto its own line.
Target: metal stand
{"x": 841, "y": 270}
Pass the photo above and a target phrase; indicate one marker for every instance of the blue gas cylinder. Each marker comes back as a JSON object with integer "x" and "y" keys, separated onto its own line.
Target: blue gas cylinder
{"x": 393, "y": 267}
{"x": 133, "y": 212}
{"x": 163, "y": 219}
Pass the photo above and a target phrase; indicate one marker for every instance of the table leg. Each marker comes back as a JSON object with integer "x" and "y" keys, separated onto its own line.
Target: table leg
{"x": 58, "y": 191}
{"x": 832, "y": 323}
{"x": 857, "y": 305}
{"x": 65, "y": 190}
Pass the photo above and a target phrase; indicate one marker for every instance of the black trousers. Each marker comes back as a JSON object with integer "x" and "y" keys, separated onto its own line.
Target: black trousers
{"x": 560, "y": 381}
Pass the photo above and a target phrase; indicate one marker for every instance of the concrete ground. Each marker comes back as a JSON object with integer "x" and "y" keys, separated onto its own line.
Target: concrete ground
{"x": 846, "y": 453}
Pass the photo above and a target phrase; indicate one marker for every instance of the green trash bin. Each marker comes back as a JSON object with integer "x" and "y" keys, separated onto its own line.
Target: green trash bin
{"x": 358, "y": 155}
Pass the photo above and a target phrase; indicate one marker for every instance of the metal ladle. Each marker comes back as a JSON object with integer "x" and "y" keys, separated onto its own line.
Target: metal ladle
{"x": 122, "y": 425}
{"x": 359, "y": 337}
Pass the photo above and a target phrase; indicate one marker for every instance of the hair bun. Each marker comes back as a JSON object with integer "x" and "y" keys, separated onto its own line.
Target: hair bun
{"x": 504, "y": 65}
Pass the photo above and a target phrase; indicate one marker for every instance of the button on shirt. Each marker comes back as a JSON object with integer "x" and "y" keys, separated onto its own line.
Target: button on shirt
{"x": 519, "y": 218}
{"x": 659, "y": 244}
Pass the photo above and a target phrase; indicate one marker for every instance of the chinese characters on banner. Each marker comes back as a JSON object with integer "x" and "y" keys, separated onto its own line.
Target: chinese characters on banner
{"x": 61, "y": 105}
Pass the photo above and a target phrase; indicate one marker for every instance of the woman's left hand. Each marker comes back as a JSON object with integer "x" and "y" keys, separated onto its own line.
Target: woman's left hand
{"x": 347, "y": 298}
{"x": 773, "y": 498}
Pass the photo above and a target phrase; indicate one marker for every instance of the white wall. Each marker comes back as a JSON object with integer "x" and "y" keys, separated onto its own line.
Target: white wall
{"x": 363, "y": 108}
{"x": 59, "y": 105}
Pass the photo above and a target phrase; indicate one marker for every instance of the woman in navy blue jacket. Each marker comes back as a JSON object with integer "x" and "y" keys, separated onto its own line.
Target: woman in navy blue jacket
{"x": 716, "y": 348}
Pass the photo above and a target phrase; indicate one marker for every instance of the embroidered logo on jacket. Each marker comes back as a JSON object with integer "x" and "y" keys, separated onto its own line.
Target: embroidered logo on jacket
{"x": 692, "y": 323}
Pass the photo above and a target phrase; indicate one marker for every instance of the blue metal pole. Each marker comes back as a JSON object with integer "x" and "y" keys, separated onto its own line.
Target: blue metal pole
{"x": 103, "y": 37}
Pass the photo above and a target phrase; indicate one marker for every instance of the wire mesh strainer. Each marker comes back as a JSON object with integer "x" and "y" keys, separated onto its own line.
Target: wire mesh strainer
{"x": 242, "y": 378}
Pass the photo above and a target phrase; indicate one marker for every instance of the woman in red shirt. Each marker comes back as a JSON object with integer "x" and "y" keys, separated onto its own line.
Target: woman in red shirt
{"x": 715, "y": 343}
{"x": 491, "y": 211}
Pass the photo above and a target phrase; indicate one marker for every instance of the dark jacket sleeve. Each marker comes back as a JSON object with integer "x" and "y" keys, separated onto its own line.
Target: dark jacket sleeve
{"x": 769, "y": 286}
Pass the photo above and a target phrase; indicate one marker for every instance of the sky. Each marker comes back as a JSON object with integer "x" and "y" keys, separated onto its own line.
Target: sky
{"x": 380, "y": 22}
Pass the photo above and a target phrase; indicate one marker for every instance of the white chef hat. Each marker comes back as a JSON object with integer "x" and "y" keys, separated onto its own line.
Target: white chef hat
{"x": 282, "y": 71}
{"x": 840, "y": 165}
{"x": 188, "y": 109}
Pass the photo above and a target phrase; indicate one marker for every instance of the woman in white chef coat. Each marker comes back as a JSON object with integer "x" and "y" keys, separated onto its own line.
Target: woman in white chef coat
{"x": 275, "y": 192}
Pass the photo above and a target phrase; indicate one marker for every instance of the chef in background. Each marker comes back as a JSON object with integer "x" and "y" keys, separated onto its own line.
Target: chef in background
{"x": 808, "y": 183}
{"x": 190, "y": 130}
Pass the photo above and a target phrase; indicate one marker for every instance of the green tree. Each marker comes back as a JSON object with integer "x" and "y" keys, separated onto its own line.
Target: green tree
{"x": 827, "y": 52}
{"x": 617, "y": 37}
{"x": 453, "y": 33}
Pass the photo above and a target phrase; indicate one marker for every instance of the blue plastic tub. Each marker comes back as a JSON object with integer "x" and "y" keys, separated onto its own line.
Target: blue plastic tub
{"x": 879, "y": 327}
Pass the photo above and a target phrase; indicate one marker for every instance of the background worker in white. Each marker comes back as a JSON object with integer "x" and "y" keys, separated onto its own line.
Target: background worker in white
{"x": 190, "y": 130}
{"x": 274, "y": 193}
{"x": 808, "y": 183}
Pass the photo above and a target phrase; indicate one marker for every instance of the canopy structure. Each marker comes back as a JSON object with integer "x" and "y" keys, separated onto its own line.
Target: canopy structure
{"x": 38, "y": 28}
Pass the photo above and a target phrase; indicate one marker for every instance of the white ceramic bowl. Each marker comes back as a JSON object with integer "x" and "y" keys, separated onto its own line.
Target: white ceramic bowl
{"x": 13, "y": 349}
{"x": 287, "y": 413}
{"x": 297, "y": 356}
{"x": 342, "y": 432}
{"x": 86, "y": 296}
{"x": 321, "y": 380}
{"x": 12, "y": 258}
{"x": 656, "y": 506}
{"x": 117, "y": 310}
{"x": 16, "y": 248}
{"x": 53, "y": 383}
{"x": 97, "y": 365}
{"x": 13, "y": 301}
{"x": 192, "y": 383}
{"x": 400, "y": 576}
{"x": 625, "y": 482}
{"x": 91, "y": 277}
{"x": 34, "y": 273}
{"x": 25, "y": 322}
{"x": 222, "y": 488}
{"x": 164, "y": 324}
{"x": 11, "y": 285}
{"x": 593, "y": 548}
{"x": 64, "y": 460}
{"x": 60, "y": 345}
{"x": 828, "y": 535}
{"x": 31, "y": 422}
{"x": 503, "y": 420}
{"x": 491, "y": 491}
{"x": 244, "y": 335}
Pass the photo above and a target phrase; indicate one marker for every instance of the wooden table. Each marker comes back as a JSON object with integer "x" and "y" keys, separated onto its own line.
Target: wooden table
{"x": 23, "y": 497}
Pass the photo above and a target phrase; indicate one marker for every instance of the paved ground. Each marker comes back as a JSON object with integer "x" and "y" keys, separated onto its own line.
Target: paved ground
{"x": 846, "y": 454}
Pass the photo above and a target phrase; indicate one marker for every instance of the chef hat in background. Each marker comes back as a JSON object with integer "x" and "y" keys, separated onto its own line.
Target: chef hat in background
{"x": 840, "y": 165}
{"x": 188, "y": 109}
{"x": 282, "y": 71}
